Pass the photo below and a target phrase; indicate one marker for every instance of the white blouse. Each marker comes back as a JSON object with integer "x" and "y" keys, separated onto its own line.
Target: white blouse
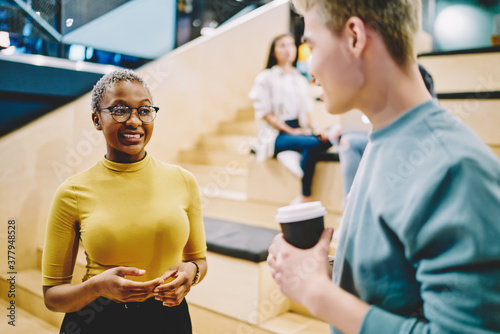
{"x": 286, "y": 95}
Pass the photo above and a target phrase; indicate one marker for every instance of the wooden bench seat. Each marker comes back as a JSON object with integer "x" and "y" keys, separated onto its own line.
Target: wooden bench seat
{"x": 271, "y": 182}
{"x": 238, "y": 283}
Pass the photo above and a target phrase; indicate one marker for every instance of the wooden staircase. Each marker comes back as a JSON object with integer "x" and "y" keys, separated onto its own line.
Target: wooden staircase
{"x": 468, "y": 84}
{"x": 25, "y": 322}
{"x": 222, "y": 164}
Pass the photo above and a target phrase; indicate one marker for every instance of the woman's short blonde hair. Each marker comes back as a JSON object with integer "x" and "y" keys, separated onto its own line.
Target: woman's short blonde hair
{"x": 108, "y": 80}
{"x": 397, "y": 21}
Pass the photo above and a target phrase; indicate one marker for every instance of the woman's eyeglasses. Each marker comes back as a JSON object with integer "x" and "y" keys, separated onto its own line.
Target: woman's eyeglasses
{"x": 122, "y": 114}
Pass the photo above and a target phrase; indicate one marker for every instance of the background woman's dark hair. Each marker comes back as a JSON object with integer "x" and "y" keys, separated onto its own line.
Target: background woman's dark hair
{"x": 271, "y": 60}
{"x": 429, "y": 82}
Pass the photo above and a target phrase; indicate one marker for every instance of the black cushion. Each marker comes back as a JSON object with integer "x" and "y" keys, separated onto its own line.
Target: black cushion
{"x": 238, "y": 240}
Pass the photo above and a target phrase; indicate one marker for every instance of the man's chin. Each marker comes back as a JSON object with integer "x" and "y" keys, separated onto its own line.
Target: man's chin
{"x": 335, "y": 109}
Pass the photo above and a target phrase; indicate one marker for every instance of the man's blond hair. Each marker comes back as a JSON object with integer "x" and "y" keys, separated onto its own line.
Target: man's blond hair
{"x": 396, "y": 21}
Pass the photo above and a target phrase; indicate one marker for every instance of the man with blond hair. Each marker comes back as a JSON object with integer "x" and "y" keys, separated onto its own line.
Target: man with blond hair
{"x": 419, "y": 248}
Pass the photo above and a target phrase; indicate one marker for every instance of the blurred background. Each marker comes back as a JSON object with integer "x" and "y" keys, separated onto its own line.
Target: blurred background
{"x": 131, "y": 33}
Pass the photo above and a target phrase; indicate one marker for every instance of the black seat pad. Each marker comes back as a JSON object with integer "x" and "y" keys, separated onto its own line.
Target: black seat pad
{"x": 238, "y": 240}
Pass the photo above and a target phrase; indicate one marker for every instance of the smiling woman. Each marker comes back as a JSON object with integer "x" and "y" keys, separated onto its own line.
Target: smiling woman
{"x": 158, "y": 242}
{"x": 126, "y": 138}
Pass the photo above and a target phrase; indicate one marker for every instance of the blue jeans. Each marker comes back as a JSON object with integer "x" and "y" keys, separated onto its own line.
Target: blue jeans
{"x": 351, "y": 149}
{"x": 309, "y": 146}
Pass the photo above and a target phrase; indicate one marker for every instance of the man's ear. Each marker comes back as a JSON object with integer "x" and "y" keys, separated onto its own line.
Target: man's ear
{"x": 95, "y": 120}
{"x": 356, "y": 33}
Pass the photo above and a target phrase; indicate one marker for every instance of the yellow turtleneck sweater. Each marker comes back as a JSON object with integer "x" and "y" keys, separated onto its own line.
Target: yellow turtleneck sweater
{"x": 145, "y": 214}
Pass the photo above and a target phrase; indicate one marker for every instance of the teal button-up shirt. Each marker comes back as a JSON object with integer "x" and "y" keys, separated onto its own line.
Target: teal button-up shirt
{"x": 420, "y": 238}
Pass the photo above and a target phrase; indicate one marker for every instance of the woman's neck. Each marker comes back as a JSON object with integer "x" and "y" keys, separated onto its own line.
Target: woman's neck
{"x": 286, "y": 67}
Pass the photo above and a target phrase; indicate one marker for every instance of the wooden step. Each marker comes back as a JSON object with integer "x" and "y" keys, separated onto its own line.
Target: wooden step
{"x": 464, "y": 72}
{"x": 232, "y": 179}
{"x": 248, "y": 128}
{"x": 269, "y": 181}
{"x": 483, "y": 116}
{"x": 240, "y": 289}
{"x": 230, "y": 142}
{"x": 253, "y": 212}
{"x": 206, "y": 321}
{"x": 294, "y": 323}
{"x": 25, "y": 322}
{"x": 240, "y": 144}
{"x": 260, "y": 304}
{"x": 245, "y": 115}
{"x": 233, "y": 171}
{"x": 29, "y": 296}
{"x": 214, "y": 158}
{"x": 208, "y": 194}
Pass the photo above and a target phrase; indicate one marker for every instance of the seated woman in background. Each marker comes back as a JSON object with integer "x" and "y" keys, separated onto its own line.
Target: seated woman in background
{"x": 138, "y": 219}
{"x": 283, "y": 106}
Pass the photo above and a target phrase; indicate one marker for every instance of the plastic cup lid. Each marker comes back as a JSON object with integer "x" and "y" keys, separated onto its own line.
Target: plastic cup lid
{"x": 300, "y": 211}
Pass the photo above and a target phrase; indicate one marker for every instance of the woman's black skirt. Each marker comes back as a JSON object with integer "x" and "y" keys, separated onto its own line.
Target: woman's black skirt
{"x": 105, "y": 316}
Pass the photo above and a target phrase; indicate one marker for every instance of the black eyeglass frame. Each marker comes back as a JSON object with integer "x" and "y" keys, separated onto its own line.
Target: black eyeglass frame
{"x": 111, "y": 111}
